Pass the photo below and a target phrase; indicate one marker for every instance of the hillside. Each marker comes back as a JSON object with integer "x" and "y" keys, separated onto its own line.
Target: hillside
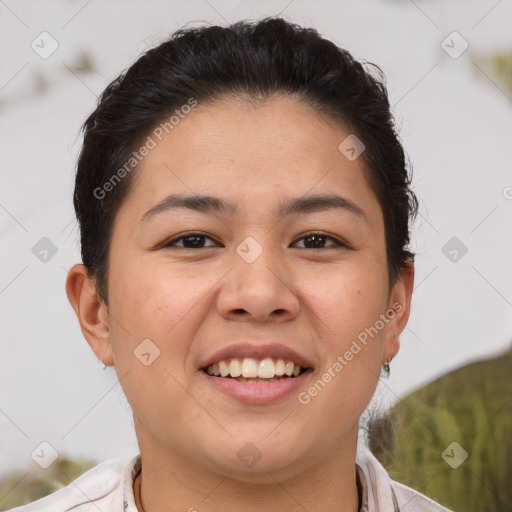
{"x": 470, "y": 406}
{"x": 27, "y": 486}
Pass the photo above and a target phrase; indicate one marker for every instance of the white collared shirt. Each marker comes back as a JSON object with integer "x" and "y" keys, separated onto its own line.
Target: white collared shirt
{"x": 108, "y": 487}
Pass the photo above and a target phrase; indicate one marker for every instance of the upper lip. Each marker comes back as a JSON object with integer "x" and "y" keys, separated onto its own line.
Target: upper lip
{"x": 257, "y": 351}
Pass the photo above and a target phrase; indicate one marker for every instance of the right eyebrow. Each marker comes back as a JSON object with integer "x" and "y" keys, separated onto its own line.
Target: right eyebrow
{"x": 205, "y": 204}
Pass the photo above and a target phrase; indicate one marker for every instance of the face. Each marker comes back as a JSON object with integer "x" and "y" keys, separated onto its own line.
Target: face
{"x": 291, "y": 272}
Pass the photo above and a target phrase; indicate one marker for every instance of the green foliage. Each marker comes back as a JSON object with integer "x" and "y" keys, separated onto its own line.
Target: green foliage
{"x": 503, "y": 69}
{"x": 24, "y": 487}
{"x": 471, "y": 406}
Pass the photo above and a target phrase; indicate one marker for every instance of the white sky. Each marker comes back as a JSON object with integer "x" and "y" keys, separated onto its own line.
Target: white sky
{"x": 457, "y": 130}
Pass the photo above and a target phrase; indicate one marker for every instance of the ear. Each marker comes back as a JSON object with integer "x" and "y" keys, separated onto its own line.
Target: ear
{"x": 91, "y": 312}
{"x": 399, "y": 302}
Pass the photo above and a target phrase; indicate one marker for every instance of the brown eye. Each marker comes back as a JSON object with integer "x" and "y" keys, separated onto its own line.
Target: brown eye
{"x": 190, "y": 241}
{"x": 318, "y": 241}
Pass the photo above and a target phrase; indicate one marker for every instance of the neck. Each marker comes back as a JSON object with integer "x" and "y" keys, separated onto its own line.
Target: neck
{"x": 168, "y": 483}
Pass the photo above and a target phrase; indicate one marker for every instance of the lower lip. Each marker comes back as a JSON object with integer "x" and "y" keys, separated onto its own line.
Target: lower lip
{"x": 257, "y": 392}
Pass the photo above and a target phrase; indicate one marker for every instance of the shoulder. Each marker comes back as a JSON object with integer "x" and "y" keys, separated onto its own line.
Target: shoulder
{"x": 102, "y": 487}
{"x": 387, "y": 495}
{"x": 410, "y": 500}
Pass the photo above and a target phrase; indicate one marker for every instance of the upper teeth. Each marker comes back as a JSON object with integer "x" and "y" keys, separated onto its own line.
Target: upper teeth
{"x": 251, "y": 368}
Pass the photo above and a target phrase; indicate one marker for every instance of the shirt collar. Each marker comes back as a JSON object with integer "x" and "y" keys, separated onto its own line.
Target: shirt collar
{"x": 362, "y": 486}
{"x": 130, "y": 474}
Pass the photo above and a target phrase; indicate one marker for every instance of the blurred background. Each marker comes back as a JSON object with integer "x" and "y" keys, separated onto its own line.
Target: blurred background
{"x": 448, "y": 426}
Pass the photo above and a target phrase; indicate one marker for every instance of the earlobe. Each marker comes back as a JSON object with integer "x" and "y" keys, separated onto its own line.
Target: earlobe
{"x": 400, "y": 302}
{"x": 403, "y": 292}
{"x": 91, "y": 312}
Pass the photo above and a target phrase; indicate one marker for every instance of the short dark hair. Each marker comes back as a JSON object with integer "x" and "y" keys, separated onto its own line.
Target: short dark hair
{"x": 253, "y": 60}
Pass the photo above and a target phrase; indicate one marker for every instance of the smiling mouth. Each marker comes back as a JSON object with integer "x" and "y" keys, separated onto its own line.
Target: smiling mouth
{"x": 252, "y": 370}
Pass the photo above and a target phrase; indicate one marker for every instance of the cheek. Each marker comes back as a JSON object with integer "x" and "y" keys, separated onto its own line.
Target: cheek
{"x": 344, "y": 385}
{"x": 160, "y": 304}
{"x": 348, "y": 305}
{"x": 346, "y": 299}
{"x": 148, "y": 303}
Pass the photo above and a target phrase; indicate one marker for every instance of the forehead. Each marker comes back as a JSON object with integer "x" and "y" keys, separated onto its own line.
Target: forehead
{"x": 251, "y": 154}
{"x": 278, "y": 133}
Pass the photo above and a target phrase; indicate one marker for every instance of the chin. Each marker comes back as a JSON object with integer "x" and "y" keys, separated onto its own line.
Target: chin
{"x": 265, "y": 471}
{"x": 251, "y": 457}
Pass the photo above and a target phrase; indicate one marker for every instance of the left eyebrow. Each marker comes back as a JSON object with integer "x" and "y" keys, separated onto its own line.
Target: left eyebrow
{"x": 318, "y": 203}
{"x": 212, "y": 204}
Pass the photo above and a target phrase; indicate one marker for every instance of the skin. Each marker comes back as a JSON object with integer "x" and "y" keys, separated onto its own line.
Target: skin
{"x": 193, "y": 302}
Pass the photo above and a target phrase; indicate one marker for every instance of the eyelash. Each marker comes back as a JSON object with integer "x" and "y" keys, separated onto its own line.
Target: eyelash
{"x": 337, "y": 244}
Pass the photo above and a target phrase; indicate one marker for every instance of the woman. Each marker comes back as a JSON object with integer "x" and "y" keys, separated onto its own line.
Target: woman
{"x": 244, "y": 207}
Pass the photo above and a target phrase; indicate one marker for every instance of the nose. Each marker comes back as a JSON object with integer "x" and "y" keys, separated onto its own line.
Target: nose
{"x": 260, "y": 290}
